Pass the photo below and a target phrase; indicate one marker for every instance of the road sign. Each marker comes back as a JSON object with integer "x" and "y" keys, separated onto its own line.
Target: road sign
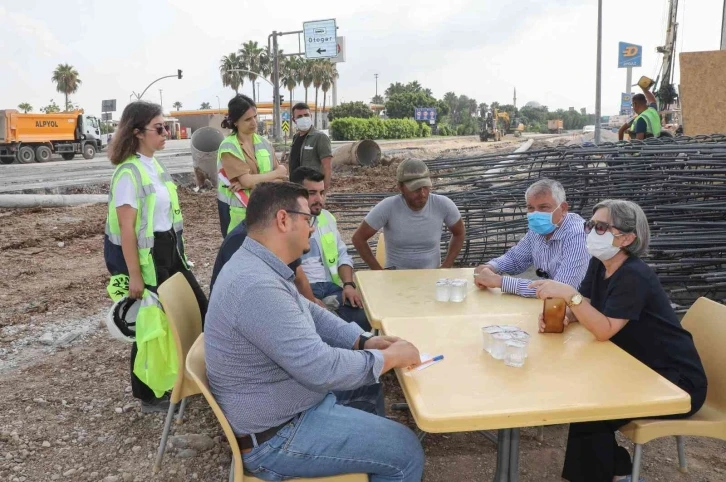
{"x": 108, "y": 105}
{"x": 425, "y": 114}
{"x": 626, "y": 104}
{"x": 106, "y": 116}
{"x": 629, "y": 55}
{"x": 286, "y": 116}
{"x": 341, "y": 50}
{"x": 320, "y": 39}
{"x": 286, "y": 126}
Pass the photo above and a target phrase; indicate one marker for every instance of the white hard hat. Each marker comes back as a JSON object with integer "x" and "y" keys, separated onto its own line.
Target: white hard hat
{"x": 121, "y": 319}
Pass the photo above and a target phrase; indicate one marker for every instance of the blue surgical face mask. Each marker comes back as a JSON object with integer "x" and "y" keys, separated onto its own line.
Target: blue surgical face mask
{"x": 541, "y": 223}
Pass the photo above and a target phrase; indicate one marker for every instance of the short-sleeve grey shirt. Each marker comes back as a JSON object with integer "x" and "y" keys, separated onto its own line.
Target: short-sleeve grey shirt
{"x": 413, "y": 238}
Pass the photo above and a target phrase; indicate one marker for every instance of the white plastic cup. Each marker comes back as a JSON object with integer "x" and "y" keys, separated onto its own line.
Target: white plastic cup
{"x": 515, "y": 353}
{"x": 458, "y": 290}
{"x": 498, "y": 347}
{"x": 487, "y": 332}
{"x": 522, "y": 336}
{"x": 443, "y": 290}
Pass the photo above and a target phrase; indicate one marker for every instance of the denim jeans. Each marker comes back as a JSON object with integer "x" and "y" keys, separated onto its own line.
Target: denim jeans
{"x": 332, "y": 439}
{"x": 345, "y": 311}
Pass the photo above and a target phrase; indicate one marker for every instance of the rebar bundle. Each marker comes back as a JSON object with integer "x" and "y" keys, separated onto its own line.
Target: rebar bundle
{"x": 680, "y": 184}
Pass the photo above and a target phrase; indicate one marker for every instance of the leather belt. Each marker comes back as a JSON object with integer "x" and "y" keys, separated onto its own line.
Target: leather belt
{"x": 245, "y": 441}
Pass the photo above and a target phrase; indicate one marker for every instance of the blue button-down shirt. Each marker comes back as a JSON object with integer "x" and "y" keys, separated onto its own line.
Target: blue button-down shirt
{"x": 563, "y": 257}
{"x": 272, "y": 354}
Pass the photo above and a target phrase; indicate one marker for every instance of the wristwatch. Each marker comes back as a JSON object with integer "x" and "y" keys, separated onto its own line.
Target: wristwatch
{"x": 575, "y": 300}
{"x": 350, "y": 283}
{"x": 364, "y": 337}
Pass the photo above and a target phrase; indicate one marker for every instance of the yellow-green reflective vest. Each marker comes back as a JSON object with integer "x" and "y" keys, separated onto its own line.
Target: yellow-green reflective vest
{"x": 327, "y": 228}
{"x": 263, "y": 153}
{"x": 652, "y": 122}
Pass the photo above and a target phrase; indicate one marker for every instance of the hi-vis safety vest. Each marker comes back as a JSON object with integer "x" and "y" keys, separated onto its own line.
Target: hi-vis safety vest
{"x": 328, "y": 230}
{"x": 156, "y": 362}
{"x": 652, "y": 122}
{"x": 238, "y": 205}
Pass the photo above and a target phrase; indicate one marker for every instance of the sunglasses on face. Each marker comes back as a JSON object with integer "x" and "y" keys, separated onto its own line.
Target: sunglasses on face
{"x": 311, "y": 219}
{"x": 158, "y": 129}
{"x": 600, "y": 227}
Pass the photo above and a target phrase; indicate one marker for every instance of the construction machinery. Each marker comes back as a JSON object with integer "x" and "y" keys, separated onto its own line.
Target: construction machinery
{"x": 555, "y": 126}
{"x": 507, "y": 125}
{"x": 36, "y": 137}
{"x": 490, "y": 128}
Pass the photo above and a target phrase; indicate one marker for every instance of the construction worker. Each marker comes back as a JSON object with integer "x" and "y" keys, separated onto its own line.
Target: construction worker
{"x": 647, "y": 123}
{"x": 143, "y": 245}
{"x": 310, "y": 147}
{"x": 412, "y": 224}
{"x": 244, "y": 159}
{"x": 327, "y": 265}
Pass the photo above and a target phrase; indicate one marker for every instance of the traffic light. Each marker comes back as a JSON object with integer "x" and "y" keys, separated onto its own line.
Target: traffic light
{"x": 179, "y": 74}
{"x": 282, "y": 99}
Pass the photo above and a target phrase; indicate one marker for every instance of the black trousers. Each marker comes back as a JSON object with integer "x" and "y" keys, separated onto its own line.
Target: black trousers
{"x": 593, "y": 454}
{"x": 167, "y": 262}
{"x": 224, "y": 217}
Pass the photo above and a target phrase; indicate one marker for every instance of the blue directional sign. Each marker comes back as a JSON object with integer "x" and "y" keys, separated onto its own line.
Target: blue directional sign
{"x": 425, "y": 113}
{"x": 629, "y": 55}
{"x": 286, "y": 116}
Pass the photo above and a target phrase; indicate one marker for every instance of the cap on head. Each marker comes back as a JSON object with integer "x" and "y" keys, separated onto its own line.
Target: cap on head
{"x": 414, "y": 174}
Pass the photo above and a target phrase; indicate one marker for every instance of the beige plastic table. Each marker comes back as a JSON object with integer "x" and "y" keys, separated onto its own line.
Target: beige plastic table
{"x": 398, "y": 293}
{"x": 568, "y": 377}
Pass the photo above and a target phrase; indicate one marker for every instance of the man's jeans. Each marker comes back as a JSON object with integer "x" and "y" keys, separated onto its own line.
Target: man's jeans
{"x": 333, "y": 439}
{"x": 345, "y": 311}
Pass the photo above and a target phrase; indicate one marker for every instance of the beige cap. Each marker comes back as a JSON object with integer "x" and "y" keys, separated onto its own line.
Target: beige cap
{"x": 414, "y": 174}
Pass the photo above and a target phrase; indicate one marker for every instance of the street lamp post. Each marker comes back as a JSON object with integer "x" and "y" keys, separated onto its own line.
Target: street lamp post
{"x": 598, "y": 74}
{"x": 219, "y": 105}
{"x": 376, "y": 76}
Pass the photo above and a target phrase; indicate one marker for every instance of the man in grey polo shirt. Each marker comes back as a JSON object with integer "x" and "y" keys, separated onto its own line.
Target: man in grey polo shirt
{"x": 412, "y": 224}
{"x": 283, "y": 368}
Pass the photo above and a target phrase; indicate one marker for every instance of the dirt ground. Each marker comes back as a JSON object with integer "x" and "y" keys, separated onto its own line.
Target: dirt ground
{"x": 66, "y": 411}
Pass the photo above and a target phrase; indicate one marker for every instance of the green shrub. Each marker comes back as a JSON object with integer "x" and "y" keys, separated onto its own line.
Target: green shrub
{"x": 354, "y": 129}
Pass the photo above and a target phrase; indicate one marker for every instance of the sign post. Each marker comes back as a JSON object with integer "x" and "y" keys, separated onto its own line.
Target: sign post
{"x": 320, "y": 39}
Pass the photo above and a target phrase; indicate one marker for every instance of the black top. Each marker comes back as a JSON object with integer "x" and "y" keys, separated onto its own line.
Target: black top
{"x": 232, "y": 242}
{"x": 295, "y": 153}
{"x": 653, "y": 333}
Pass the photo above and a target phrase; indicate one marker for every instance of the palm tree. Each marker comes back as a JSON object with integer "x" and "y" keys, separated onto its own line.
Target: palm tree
{"x": 25, "y": 107}
{"x": 472, "y": 106}
{"x": 252, "y": 56}
{"x": 319, "y": 74}
{"x": 205, "y": 105}
{"x": 290, "y": 72}
{"x": 330, "y": 74}
{"x": 306, "y": 73}
{"x": 378, "y": 99}
{"x": 66, "y": 80}
{"x": 428, "y": 92}
{"x": 177, "y": 105}
{"x": 452, "y": 101}
{"x": 235, "y": 80}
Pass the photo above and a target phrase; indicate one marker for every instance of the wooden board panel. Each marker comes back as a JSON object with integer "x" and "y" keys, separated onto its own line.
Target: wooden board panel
{"x": 703, "y": 92}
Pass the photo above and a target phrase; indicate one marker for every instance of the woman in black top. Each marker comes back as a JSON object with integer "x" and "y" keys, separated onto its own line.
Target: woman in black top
{"x": 622, "y": 300}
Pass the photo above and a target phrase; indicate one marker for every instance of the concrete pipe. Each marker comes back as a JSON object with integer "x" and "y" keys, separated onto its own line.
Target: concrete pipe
{"x": 205, "y": 142}
{"x": 365, "y": 153}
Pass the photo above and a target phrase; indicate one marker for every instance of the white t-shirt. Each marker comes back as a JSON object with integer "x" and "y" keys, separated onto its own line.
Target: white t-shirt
{"x": 125, "y": 193}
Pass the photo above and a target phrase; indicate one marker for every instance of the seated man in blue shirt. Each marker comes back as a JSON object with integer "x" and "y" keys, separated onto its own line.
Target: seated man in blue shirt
{"x": 554, "y": 245}
{"x": 328, "y": 266}
{"x": 284, "y": 370}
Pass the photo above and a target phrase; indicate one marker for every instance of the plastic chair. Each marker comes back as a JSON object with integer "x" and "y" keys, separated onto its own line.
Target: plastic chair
{"x": 185, "y": 323}
{"x": 706, "y": 320}
{"x": 381, "y": 251}
{"x": 197, "y": 368}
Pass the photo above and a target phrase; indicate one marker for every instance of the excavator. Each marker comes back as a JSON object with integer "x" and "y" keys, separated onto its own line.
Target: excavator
{"x": 498, "y": 124}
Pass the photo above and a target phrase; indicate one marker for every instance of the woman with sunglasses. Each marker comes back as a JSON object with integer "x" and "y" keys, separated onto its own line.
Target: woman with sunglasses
{"x": 244, "y": 159}
{"x": 143, "y": 245}
{"x": 622, "y": 300}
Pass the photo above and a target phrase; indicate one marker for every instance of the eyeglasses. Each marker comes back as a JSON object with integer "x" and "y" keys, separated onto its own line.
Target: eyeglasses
{"x": 158, "y": 129}
{"x": 600, "y": 227}
{"x": 311, "y": 218}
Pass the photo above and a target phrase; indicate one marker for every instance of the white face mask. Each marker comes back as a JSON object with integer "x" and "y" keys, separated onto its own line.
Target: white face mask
{"x": 304, "y": 123}
{"x": 601, "y": 246}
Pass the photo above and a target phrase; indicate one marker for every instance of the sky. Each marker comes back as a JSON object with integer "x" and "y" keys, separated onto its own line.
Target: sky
{"x": 479, "y": 48}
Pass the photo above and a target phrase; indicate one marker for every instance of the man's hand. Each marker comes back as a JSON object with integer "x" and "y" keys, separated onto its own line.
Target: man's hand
{"x": 351, "y": 295}
{"x": 381, "y": 342}
{"x": 400, "y": 354}
{"x": 281, "y": 172}
{"x": 486, "y": 278}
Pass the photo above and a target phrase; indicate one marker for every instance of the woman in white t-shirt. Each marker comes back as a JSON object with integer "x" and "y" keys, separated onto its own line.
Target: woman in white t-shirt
{"x": 137, "y": 257}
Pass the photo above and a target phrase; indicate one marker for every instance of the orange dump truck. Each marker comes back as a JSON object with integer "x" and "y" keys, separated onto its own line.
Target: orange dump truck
{"x": 36, "y": 137}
